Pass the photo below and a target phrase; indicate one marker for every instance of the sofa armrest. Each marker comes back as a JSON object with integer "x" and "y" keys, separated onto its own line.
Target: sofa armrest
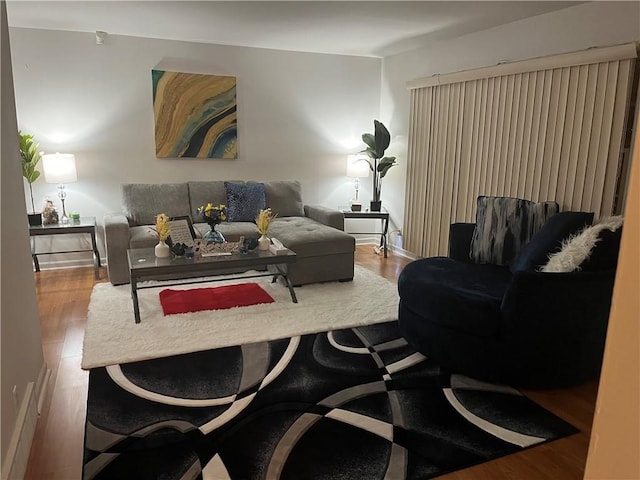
{"x": 327, "y": 216}
{"x": 460, "y": 235}
{"x": 116, "y": 240}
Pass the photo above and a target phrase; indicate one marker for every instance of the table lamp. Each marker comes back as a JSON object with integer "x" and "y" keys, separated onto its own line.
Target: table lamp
{"x": 60, "y": 168}
{"x": 357, "y": 167}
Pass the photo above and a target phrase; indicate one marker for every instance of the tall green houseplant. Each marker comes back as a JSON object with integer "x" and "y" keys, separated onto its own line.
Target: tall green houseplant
{"x": 30, "y": 158}
{"x": 377, "y": 142}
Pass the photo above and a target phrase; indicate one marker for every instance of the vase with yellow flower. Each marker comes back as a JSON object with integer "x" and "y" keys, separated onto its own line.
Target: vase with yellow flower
{"x": 163, "y": 231}
{"x": 213, "y": 215}
{"x": 263, "y": 220}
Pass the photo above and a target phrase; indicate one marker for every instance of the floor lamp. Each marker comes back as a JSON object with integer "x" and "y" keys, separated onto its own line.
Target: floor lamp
{"x": 60, "y": 168}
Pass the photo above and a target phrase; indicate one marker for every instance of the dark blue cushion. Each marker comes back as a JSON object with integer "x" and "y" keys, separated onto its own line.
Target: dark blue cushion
{"x": 244, "y": 202}
{"x": 457, "y": 295}
{"x": 549, "y": 239}
{"x": 604, "y": 255}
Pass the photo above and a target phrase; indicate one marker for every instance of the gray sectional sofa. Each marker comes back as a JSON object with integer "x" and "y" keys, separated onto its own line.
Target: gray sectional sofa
{"x": 324, "y": 251}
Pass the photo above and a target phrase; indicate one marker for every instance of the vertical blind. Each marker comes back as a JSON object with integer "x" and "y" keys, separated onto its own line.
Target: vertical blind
{"x": 543, "y": 129}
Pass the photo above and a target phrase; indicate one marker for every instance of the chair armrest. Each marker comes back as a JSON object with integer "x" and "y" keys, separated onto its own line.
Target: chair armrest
{"x": 554, "y": 307}
{"x": 554, "y": 325}
{"x": 116, "y": 240}
{"x": 460, "y": 235}
{"x": 327, "y": 216}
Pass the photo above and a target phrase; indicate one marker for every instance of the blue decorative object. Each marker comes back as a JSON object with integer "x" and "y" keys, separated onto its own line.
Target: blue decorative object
{"x": 178, "y": 249}
{"x": 214, "y": 236}
{"x": 250, "y": 243}
{"x": 244, "y": 201}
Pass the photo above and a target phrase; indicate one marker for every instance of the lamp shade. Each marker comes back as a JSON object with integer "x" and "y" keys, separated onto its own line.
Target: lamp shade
{"x": 357, "y": 166}
{"x": 59, "y": 168}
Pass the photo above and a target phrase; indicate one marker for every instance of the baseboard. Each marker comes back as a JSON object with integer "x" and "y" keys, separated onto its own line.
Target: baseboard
{"x": 15, "y": 464}
{"x": 395, "y": 249}
{"x": 366, "y": 240}
{"x": 60, "y": 264}
{"x": 402, "y": 252}
{"x": 41, "y": 385}
{"x": 17, "y": 458}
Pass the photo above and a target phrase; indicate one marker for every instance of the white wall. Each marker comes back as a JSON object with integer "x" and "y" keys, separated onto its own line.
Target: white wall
{"x": 299, "y": 114}
{"x": 576, "y": 28}
{"x": 21, "y": 351}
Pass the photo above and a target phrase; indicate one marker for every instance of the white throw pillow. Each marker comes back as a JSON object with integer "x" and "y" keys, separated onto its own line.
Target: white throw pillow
{"x": 576, "y": 249}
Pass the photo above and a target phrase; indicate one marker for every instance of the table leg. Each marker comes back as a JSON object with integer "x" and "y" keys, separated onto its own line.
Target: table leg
{"x": 283, "y": 271}
{"x": 383, "y": 238}
{"x": 34, "y": 255}
{"x": 134, "y": 299}
{"x": 96, "y": 255}
{"x": 294, "y": 299}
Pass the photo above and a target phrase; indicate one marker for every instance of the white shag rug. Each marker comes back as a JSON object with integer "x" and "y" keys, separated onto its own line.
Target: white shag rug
{"x": 112, "y": 337}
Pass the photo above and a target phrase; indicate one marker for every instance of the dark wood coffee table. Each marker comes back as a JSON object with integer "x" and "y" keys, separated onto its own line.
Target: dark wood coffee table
{"x": 143, "y": 265}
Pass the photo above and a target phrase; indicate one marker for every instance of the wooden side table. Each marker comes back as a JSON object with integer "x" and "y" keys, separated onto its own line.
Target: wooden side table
{"x": 384, "y": 220}
{"x": 84, "y": 225}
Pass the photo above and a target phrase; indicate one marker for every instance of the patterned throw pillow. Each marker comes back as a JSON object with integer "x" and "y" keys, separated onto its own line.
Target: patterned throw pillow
{"x": 244, "y": 201}
{"x": 504, "y": 225}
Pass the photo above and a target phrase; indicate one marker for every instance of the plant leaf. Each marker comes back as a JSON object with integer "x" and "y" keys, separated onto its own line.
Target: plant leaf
{"x": 385, "y": 164}
{"x": 382, "y": 138}
{"x": 30, "y": 157}
{"x": 369, "y": 140}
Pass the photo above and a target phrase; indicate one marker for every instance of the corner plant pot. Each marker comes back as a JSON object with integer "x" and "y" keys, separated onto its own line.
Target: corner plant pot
{"x": 375, "y": 206}
{"x": 35, "y": 219}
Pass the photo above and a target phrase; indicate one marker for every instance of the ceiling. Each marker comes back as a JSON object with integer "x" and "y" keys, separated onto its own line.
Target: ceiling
{"x": 360, "y": 28}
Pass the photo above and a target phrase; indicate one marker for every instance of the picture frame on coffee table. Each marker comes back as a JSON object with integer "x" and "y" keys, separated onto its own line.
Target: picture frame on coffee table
{"x": 182, "y": 231}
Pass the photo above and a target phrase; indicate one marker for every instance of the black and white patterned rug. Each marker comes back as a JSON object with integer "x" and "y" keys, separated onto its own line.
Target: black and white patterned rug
{"x": 349, "y": 404}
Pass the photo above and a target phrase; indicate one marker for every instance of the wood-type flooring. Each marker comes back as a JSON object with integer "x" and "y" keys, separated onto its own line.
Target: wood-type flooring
{"x": 56, "y": 454}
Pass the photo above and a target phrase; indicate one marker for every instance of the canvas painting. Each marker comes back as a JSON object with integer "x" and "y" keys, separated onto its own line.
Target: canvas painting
{"x": 195, "y": 115}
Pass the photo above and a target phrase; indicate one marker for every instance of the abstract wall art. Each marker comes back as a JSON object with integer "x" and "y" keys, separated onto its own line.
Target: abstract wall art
{"x": 195, "y": 115}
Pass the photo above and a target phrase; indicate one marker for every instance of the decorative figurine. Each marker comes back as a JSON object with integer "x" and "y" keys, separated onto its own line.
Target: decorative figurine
{"x": 50, "y": 214}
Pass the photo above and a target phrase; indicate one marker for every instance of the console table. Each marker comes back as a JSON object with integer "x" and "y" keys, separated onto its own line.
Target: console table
{"x": 83, "y": 225}
{"x": 382, "y": 216}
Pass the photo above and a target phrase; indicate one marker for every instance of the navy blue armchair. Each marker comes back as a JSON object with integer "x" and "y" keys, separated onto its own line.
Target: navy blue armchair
{"x": 508, "y": 324}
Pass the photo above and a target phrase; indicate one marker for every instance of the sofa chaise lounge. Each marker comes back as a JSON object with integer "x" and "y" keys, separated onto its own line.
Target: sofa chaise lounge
{"x": 324, "y": 251}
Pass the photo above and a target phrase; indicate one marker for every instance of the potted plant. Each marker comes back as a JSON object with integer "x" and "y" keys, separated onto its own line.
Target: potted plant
{"x": 30, "y": 158}
{"x": 377, "y": 143}
{"x": 263, "y": 220}
{"x": 213, "y": 215}
{"x": 163, "y": 230}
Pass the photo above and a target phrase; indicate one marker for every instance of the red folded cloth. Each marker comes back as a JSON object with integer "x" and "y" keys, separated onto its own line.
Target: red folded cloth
{"x": 215, "y": 298}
